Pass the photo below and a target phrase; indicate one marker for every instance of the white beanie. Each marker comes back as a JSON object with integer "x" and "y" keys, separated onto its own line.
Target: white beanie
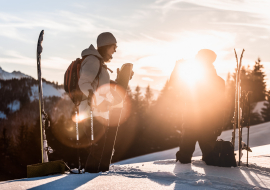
{"x": 105, "y": 38}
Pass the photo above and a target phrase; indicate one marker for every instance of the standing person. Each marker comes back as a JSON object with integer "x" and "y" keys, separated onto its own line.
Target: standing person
{"x": 94, "y": 82}
{"x": 203, "y": 110}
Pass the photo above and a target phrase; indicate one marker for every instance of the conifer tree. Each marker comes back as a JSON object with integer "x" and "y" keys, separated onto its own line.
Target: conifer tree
{"x": 148, "y": 97}
{"x": 266, "y": 110}
{"x": 258, "y": 82}
{"x": 137, "y": 100}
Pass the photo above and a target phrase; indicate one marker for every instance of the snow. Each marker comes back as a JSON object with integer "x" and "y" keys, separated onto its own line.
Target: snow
{"x": 2, "y": 115}
{"x": 259, "y": 135}
{"x": 258, "y": 107}
{"x": 48, "y": 90}
{"x": 160, "y": 171}
{"x": 15, "y": 74}
{"x": 14, "y": 106}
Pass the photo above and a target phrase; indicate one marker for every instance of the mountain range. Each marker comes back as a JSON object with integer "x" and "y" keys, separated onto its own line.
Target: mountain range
{"x": 4, "y": 75}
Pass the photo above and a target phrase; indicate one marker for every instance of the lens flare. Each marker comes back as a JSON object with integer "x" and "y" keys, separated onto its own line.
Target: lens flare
{"x": 117, "y": 105}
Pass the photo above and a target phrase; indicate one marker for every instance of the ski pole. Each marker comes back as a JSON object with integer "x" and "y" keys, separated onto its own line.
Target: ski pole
{"x": 92, "y": 125}
{"x": 248, "y": 123}
{"x": 118, "y": 124}
{"x": 78, "y": 139}
{"x": 90, "y": 96}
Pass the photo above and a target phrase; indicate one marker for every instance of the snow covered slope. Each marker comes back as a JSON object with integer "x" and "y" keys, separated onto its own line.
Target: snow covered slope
{"x": 159, "y": 171}
{"x": 15, "y": 74}
{"x": 161, "y": 174}
{"x": 259, "y": 135}
{"x": 48, "y": 90}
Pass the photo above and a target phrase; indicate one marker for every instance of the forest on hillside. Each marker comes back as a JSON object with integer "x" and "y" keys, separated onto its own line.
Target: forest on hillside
{"x": 153, "y": 125}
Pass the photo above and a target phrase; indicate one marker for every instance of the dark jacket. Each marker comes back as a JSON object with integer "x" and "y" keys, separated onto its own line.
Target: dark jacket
{"x": 203, "y": 104}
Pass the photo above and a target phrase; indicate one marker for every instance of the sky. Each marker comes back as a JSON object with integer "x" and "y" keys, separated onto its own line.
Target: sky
{"x": 151, "y": 34}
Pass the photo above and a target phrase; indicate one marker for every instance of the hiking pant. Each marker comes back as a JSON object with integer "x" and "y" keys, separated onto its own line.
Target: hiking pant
{"x": 188, "y": 141}
{"x": 102, "y": 148}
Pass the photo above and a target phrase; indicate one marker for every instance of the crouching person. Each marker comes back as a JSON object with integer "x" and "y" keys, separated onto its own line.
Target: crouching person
{"x": 203, "y": 112}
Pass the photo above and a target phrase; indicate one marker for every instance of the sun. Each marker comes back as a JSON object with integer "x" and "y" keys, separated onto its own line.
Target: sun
{"x": 190, "y": 72}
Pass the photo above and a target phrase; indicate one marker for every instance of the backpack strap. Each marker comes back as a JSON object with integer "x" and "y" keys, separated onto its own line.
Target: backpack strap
{"x": 100, "y": 67}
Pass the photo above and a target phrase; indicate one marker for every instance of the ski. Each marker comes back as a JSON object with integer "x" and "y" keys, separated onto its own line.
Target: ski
{"x": 45, "y": 149}
{"x": 235, "y": 102}
{"x": 239, "y": 110}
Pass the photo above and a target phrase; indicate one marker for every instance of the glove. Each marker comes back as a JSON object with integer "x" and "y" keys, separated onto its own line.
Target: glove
{"x": 118, "y": 71}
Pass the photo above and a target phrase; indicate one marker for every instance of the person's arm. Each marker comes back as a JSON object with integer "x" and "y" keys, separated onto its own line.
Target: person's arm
{"x": 221, "y": 105}
{"x": 89, "y": 70}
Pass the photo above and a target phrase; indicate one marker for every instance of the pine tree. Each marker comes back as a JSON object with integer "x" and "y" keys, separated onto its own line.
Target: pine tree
{"x": 258, "y": 82}
{"x": 4, "y": 145}
{"x": 137, "y": 101}
{"x": 148, "y": 97}
{"x": 266, "y": 110}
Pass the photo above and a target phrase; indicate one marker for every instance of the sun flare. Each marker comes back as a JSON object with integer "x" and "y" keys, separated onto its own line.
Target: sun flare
{"x": 190, "y": 72}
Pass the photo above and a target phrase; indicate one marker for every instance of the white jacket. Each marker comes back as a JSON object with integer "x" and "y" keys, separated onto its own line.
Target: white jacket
{"x": 89, "y": 81}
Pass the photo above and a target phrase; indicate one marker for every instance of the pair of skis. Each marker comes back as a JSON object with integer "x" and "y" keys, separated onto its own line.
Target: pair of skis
{"x": 242, "y": 101}
{"x": 238, "y": 110}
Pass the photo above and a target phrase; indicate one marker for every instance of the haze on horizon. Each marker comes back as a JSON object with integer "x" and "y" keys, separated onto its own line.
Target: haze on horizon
{"x": 152, "y": 35}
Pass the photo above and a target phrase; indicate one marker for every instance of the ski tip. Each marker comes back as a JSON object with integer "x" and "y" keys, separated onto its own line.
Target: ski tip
{"x": 41, "y": 35}
{"x": 40, "y": 39}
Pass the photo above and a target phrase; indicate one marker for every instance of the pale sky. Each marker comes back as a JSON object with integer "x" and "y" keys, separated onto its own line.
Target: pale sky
{"x": 151, "y": 34}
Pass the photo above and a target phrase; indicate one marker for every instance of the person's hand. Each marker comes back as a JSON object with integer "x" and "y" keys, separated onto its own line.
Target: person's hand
{"x": 118, "y": 72}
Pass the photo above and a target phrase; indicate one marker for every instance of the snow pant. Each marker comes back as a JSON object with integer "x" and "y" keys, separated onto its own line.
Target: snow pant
{"x": 101, "y": 149}
{"x": 188, "y": 141}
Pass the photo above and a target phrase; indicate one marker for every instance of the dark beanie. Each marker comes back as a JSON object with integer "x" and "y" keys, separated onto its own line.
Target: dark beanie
{"x": 206, "y": 56}
{"x": 105, "y": 38}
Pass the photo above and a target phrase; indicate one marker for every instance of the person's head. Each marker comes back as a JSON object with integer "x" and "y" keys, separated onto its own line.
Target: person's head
{"x": 206, "y": 57}
{"x": 106, "y": 45}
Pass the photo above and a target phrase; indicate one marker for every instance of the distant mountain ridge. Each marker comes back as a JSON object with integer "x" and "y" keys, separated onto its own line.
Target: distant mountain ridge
{"x": 4, "y": 75}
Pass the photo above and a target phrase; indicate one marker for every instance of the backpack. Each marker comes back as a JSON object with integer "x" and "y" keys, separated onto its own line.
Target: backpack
{"x": 71, "y": 79}
{"x": 222, "y": 155}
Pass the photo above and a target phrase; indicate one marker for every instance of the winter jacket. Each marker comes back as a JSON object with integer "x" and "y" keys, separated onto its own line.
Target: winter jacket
{"x": 89, "y": 81}
{"x": 204, "y": 104}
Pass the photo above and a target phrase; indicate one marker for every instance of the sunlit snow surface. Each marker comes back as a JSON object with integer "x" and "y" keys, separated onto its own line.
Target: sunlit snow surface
{"x": 164, "y": 173}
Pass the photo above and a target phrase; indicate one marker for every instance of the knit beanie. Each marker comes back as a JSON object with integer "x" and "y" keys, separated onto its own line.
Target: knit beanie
{"x": 206, "y": 55}
{"x": 105, "y": 38}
